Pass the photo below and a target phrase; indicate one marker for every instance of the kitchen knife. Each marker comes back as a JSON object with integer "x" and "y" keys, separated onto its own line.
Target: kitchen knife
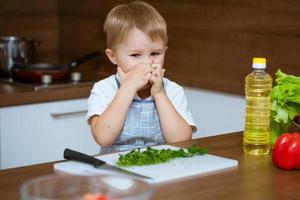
{"x": 75, "y": 155}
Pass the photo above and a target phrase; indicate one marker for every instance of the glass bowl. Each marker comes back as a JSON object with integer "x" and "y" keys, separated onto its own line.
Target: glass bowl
{"x": 295, "y": 126}
{"x": 100, "y": 187}
{"x": 296, "y": 121}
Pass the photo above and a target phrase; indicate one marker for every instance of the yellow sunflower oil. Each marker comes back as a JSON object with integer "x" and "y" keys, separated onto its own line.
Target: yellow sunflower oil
{"x": 258, "y": 85}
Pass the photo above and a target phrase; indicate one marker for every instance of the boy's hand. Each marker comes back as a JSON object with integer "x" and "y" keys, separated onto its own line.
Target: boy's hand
{"x": 137, "y": 78}
{"x": 156, "y": 80}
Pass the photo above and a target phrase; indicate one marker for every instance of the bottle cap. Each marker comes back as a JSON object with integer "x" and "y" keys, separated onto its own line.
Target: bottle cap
{"x": 259, "y": 63}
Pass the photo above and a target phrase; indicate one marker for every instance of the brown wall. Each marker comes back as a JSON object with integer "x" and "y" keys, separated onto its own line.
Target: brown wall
{"x": 80, "y": 32}
{"x": 37, "y": 19}
{"x": 211, "y": 42}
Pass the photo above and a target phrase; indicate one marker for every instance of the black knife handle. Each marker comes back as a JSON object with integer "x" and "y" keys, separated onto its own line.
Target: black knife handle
{"x": 75, "y": 155}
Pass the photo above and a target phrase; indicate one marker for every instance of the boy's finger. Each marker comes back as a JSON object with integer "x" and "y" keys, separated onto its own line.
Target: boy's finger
{"x": 159, "y": 73}
{"x": 155, "y": 66}
{"x": 147, "y": 68}
{"x": 155, "y": 73}
{"x": 153, "y": 79}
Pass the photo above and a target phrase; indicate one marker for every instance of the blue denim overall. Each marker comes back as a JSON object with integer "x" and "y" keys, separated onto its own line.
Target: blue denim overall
{"x": 141, "y": 128}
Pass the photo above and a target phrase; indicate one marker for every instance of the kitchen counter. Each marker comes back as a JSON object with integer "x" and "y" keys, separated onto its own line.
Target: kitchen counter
{"x": 11, "y": 95}
{"x": 254, "y": 178}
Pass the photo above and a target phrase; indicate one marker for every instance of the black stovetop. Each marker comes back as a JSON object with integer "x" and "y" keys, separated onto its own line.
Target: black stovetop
{"x": 53, "y": 85}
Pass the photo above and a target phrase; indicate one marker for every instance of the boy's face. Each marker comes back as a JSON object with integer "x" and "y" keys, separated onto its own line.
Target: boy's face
{"x": 137, "y": 49}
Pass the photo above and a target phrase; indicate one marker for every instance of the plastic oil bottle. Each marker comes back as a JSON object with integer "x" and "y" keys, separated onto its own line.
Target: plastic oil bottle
{"x": 258, "y": 85}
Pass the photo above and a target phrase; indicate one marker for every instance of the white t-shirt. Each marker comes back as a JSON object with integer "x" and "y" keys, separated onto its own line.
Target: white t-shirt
{"x": 104, "y": 91}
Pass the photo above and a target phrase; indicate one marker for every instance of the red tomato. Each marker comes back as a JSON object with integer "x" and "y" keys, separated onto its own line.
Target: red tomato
{"x": 286, "y": 151}
{"x": 101, "y": 197}
{"x": 93, "y": 196}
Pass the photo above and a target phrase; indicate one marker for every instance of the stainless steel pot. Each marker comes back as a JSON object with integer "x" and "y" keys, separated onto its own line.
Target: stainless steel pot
{"x": 15, "y": 49}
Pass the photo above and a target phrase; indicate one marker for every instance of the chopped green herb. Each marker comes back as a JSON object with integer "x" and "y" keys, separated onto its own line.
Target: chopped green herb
{"x": 155, "y": 156}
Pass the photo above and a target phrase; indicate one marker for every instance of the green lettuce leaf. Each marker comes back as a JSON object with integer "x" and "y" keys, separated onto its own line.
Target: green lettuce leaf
{"x": 285, "y": 103}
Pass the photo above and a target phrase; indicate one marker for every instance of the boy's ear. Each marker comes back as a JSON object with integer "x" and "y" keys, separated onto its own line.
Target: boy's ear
{"x": 111, "y": 55}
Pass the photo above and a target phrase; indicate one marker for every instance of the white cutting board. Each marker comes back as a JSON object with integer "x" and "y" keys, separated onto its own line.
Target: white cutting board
{"x": 174, "y": 169}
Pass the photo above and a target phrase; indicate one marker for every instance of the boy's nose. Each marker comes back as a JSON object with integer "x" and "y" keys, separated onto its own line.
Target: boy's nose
{"x": 149, "y": 60}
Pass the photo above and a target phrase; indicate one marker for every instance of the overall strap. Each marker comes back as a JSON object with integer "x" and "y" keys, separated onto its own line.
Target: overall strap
{"x": 117, "y": 81}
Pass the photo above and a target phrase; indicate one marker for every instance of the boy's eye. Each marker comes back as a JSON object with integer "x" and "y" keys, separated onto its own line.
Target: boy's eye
{"x": 135, "y": 55}
{"x": 155, "y": 53}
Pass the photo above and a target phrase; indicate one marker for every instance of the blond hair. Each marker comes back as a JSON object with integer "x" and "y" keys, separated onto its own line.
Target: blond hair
{"x": 125, "y": 17}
